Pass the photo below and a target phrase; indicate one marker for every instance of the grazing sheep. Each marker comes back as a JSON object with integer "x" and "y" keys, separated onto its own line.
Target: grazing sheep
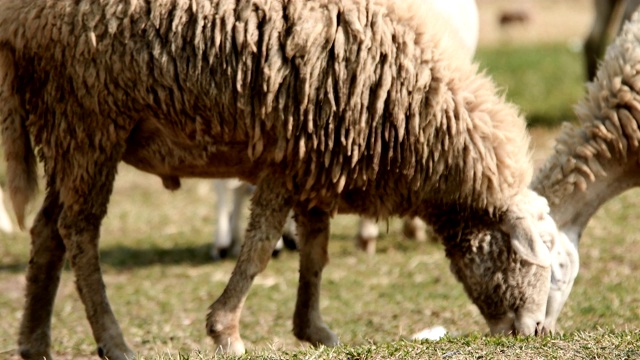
{"x": 462, "y": 16}
{"x": 5, "y": 220}
{"x": 231, "y": 195}
{"x": 607, "y": 12}
{"x": 328, "y": 106}
{"x": 595, "y": 161}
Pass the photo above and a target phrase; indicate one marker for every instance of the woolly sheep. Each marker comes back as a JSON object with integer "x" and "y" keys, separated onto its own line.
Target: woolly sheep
{"x": 231, "y": 195}
{"x": 595, "y": 161}
{"x": 607, "y": 12}
{"x": 463, "y": 26}
{"x": 351, "y": 106}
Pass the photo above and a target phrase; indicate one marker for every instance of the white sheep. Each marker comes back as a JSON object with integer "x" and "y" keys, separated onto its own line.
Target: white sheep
{"x": 463, "y": 19}
{"x": 327, "y": 106}
{"x": 595, "y": 161}
{"x": 231, "y": 196}
{"x": 607, "y": 13}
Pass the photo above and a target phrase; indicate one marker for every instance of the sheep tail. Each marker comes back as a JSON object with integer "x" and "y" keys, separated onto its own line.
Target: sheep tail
{"x": 22, "y": 181}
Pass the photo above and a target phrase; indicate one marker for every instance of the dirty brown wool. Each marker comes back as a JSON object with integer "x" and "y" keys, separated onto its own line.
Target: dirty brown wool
{"x": 327, "y": 106}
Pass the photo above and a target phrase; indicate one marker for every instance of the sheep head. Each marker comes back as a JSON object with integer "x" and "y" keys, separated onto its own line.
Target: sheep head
{"x": 505, "y": 266}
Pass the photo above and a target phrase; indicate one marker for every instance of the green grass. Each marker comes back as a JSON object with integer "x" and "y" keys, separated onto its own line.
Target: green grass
{"x": 544, "y": 80}
{"x": 160, "y": 280}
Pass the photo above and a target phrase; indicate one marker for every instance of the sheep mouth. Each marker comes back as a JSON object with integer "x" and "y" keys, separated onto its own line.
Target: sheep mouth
{"x": 510, "y": 326}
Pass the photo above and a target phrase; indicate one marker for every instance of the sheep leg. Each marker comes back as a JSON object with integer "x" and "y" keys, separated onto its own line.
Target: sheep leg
{"x": 43, "y": 277}
{"x": 313, "y": 232}
{"x": 367, "y": 235}
{"x": 240, "y": 194}
{"x": 223, "y": 240}
{"x": 270, "y": 206}
{"x": 596, "y": 40}
{"x": 84, "y": 208}
{"x": 414, "y": 228}
{"x": 5, "y": 220}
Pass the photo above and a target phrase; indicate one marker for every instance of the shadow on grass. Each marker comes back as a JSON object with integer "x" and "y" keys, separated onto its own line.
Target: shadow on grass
{"x": 126, "y": 257}
{"x": 16, "y": 267}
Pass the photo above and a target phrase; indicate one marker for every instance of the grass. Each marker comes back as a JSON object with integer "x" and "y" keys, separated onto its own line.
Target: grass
{"x": 160, "y": 280}
{"x": 544, "y": 80}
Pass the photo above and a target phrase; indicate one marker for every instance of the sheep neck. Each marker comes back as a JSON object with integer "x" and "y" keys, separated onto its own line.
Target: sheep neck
{"x": 575, "y": 193}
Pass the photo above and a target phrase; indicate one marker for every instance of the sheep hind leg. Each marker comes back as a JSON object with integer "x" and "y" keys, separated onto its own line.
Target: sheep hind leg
{"x": 43, "y": 278}
{"x": 313, "y": 233}
{"x": 269, "y": 208}
{"x": 85, "y": 205}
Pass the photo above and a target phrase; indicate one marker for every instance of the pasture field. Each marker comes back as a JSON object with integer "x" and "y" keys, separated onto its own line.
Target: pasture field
{"x": 155, "y": 255}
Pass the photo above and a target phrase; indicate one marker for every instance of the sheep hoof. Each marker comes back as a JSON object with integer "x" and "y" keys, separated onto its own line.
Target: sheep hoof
{"x": 231, "y": 347}
{"x": 227, "y": 339}
{"x": 118, "y": 353}
{"x": 27, "y": 354}
{"x": 319, "y": 336}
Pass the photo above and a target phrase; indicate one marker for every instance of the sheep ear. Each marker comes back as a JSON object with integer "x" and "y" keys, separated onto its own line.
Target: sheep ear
{"x": 526, "y": 240}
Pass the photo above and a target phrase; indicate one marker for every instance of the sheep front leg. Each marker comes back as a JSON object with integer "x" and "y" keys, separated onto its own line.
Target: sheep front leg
{"x": 313, "y": 233}
{"x": 43, "y": 278}
{"x": 84, "y": 208}
{"x": 270, "y": 206}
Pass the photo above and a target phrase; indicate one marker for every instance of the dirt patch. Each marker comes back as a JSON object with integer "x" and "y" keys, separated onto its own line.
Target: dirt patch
{"x": 546, "y": 21}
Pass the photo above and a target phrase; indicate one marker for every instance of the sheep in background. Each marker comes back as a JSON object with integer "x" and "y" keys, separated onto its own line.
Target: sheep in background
{"x": 462, "y": 16}
{"x": 595, "y": 161}
{"x": 607, "y": 12}
{"x": 5, "y": 221}
{"x": 231, "y": 195}
{"x": 351, "y": 106}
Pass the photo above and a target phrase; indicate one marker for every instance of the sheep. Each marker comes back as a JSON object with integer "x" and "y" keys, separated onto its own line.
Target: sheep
{"x": 5, "y": 221}
{"x": 327, "y": 106}
{"x": 595, "y": 160}
{"x": 463, "y": 19}
{"x": 231, "y": 195}
{"x": 607, "y": 12}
